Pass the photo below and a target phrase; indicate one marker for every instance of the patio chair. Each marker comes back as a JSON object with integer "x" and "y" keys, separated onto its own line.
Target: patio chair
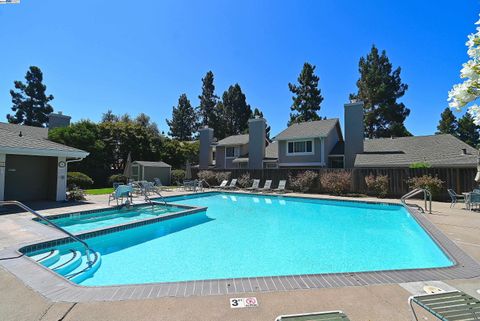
{"x": 255, "y": 185}
{"x": 473, "y": 200}
{"x": 199, "y": 186}
{"x": 121, "y": 192}
{"x": 281, "y": 187}
{"x": 316, "y": 316}
{"x": 232, "y": 185}
{"x": 158, "y": 183}
{"x": 448, "y": 306}
{"x": 456, "y": 198}
{"x": 267, "y": 186}
{"x": 223, "y": 184}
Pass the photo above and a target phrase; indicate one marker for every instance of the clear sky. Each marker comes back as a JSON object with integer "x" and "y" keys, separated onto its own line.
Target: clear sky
{"x": 139, "y": 56}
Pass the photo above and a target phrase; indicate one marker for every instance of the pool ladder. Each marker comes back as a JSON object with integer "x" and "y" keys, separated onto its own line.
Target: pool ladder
{"x": 88, "y": 250}
{"x": 427, "y": 196}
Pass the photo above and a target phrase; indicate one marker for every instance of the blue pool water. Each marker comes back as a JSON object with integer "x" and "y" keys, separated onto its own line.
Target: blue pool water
{"x": 79, "y": 222}
{"x": 249, "y": 235}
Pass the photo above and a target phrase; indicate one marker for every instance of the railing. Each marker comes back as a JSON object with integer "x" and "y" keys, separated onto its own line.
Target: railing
{"x": 149, "y": 201}
{"x": 28, "y": 209}
{"x": 426, "y": 194}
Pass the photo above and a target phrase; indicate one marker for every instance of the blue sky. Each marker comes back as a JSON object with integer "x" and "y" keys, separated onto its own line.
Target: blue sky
{"x": 139, "y": 56}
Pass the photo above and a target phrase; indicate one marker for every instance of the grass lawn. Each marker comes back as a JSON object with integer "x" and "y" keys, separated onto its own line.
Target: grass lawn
{"x": 99, "y": 191}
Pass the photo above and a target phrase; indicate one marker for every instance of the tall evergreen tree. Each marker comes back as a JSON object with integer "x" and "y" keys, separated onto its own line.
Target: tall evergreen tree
{"x": 448, "y": 123}
{"x": 109, "y": 117}
{"x": 258, "y": 113}
{"x": 236, "y": 111}
{"x": 219, "y": 127}
{"x": 467, "y": 130}
{"x": 379, "y": 87}
{"x": 307, "y": 96}
{"x": 184, "y": 120}
{"x": 30, "y": 102}
{"x": 208, "y": 101}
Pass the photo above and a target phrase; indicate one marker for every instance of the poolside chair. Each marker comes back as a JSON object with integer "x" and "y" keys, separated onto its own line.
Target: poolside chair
{"x": 281, "y": 187}
{"x": 456, "y": 198}
{"x": 316, "y": 316}
{"x": 223, "y": 184}
{"x": 122, "y": 191}
{"x": 233, "y": 184}
{"x": 448, "y": 306}
{"x": 158, "y": 184}
{"x": 255, "y": 185}
{"x": 267, "y": 186}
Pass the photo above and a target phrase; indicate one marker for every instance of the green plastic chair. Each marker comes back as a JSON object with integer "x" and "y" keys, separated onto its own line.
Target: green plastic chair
{"x": 448, "y": 306}
{"x": 316, "y": 316}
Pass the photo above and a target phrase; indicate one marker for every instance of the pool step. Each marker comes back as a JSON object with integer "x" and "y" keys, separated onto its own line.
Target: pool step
{"x": 68, "y": 262}
{"x": 85, "y": 269}
{"x": 47, "y": 258}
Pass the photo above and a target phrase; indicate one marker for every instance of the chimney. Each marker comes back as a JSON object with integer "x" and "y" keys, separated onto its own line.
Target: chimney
{"x": 206, "y": 140}
{"x": 257, "y": 137}
{"x": 354, "y": 132}
{"x": 58, "y": 120}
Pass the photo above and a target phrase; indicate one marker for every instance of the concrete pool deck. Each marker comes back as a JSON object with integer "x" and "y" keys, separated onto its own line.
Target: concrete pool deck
{"x": 372, "y": 302}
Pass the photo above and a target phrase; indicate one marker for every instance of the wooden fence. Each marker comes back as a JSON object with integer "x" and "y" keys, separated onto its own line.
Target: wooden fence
{"x": 459, "y": 179}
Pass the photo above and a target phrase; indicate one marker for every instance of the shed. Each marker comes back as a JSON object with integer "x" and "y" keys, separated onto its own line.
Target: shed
{"x": 147, "y": 171}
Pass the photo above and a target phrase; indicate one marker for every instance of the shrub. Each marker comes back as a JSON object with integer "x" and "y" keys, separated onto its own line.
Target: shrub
{"x": 302, "y": 182}
{"x": 222, "y": 176}
{"x": 430, "y": 183}
{"x": 207, "y": 176}
{"x": 420, "y": 165}
{"x": 78, "y": 179}
{"x": 178, "y": 176}
{"x": 377, "y": 185}
{"x": 337, "y": 182}
{"x": 117, "y": 178}
{"x": 75, "y": 194}
{"x": 245, "y": 181}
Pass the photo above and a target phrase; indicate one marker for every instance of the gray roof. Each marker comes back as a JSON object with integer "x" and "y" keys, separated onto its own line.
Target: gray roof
{"x": 318, "y": 128}
{"x": 271, "y": 151}
{"x": 152, "y": 164}
{"x": 436, "y": 150}
{"x": 234, "y": 140}
{"x": 33, "y": 141}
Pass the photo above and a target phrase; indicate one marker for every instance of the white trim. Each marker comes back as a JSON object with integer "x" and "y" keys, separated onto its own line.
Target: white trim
{"x": 322, "y": 148}
{"x": 43, "y": 152}
{"x": 61, "y": 180}
{"x": 2, "y": 176}
{"x": 302, "y": 164}
{"x": 287, "y": 153}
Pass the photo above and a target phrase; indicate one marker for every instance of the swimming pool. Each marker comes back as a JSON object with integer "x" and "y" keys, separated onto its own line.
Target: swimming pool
{"x": 245, "y": 235}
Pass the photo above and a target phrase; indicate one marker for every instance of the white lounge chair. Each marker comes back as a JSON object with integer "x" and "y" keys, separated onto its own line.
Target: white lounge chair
{"x": 281, "y": 186}
{"x": 267, "y": 186}
{"x": 255, "y": 185}
{"x": 223, "y": 184}
{"x": 233, "y": 184}
{"x": 121, "y": 192}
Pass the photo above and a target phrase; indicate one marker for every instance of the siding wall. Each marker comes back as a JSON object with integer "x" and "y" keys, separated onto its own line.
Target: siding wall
{"x": 284, "y": 158}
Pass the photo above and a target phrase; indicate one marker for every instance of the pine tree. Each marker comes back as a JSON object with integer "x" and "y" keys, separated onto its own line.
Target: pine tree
{"x": 307, "y": 97}
{"x": 467, "y": 131}
{"x": 379, "y": 88}
{"x": 236, "y": 111}
{"x": 208, "y": 101}
{"x": 184, "y": 120}
{"x": 109, "y": 117}
{"x": 30, "y": 102}
{"x": 258, "y": 113}
{"x": 448, "y": 123}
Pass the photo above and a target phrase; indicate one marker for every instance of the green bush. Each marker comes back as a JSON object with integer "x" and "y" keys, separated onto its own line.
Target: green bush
{"x": 377, "y": 185}
{"x": 208, "y": 176}
{"x": 420, "y": 165}
{"x": 337, "y": 182}
{"x": 302, "y": 182}
{"x": 222, "y": 176}
{"x": 75, "y": 194}
{"x": 178, "y": 175}
{"x": 245, "y": 181}
{"x": 79, "y": 180}
{"x": 430, "y": 183}
{"x": 117, "y": 178}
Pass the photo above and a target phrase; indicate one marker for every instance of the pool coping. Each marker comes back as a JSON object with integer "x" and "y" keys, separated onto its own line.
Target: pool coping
{"x": 57, "y": 288}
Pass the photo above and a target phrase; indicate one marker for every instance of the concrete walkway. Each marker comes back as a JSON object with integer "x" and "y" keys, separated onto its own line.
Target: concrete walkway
{"x": 374, "y": 303}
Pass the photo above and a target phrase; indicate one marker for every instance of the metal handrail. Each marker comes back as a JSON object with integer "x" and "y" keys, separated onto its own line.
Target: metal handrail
{"x": 28, "y": 209}
{"x": 426, "y": 194}
{"x": 149, "y": 201}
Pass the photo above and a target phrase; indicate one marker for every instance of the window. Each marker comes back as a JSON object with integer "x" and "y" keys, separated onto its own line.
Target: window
{"x": 300, "y": 147}
{"x": 232, "y": 152}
